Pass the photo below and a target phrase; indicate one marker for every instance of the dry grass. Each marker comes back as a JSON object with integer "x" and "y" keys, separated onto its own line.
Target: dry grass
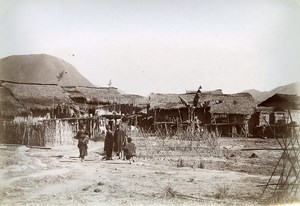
{"x": 222, "y": 192}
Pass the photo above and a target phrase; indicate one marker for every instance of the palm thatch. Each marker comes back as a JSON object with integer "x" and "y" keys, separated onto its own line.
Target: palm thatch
{"x": 282, "y": 101}
{"x": 37, "y": 96}
{"x": 95, "y": 95}
{"x": 9, "y": 106}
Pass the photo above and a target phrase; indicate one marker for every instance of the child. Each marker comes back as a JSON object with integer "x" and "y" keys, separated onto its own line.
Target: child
{"x": 129, "y": 150}
{"x": 83, "y": 139}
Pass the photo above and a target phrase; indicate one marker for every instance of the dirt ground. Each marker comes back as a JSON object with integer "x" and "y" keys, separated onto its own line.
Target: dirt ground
{"x": 224, "y": 175}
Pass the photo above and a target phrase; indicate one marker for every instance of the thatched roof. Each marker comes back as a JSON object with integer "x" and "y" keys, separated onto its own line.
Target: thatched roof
{"x": 241, "y": 103}
{"x": 73, "y": 92}
{"x": 37, "y": 96}
{"x": 9, "y": 106}
{"x": 165, "y": 101}
{"x": 95, "y": 95}
{"x": 282, "y": 101}
{"x": 217, "y": 91}
{"x": 135, "y": 100}
{"x": 172, "y": 101}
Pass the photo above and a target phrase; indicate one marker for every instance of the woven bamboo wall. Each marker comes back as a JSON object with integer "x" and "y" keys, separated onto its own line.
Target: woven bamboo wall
{"x": 58, "y": 132}
{"x": 47, "y": 133}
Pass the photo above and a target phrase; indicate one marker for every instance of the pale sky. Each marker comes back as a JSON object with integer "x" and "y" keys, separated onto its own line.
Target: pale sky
{"x": 161, "y": 46}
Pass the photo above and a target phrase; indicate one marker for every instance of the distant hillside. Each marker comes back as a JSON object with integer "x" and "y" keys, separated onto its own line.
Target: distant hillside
{"x": 40, "y": 68}
{"x": 259, "y": 96}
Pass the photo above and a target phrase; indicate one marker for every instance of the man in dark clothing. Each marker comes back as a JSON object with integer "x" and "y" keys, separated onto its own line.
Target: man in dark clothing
{"x": 119, "y": 141}
{"x": 108, "y": 143}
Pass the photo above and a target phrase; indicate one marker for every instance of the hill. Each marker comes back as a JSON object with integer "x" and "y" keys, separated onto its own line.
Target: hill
{"x": 259, "y": 96}
{"x": 40, "y": 68}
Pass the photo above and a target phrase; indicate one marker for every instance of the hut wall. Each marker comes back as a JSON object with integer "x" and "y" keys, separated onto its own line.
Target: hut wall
{"x": 219, "y": 118}
{"x": 107, "y": 111}
{"x": 237, "y": 118}
{"x": 253, "y": 121}
{"x": 295, "y": 116}
{"x": 171, "y": 115}
{"x": 30, "y": 119}
{"x": 59, "y": 132}
{"x": 264, "y": 119}
{"x": 279, "y": 117}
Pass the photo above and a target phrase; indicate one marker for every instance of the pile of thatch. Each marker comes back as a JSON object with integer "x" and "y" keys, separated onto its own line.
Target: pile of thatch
{"x": 38, "y": 96}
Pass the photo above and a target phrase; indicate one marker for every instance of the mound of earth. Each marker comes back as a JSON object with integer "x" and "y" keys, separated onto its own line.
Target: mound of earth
{"x": 40, "y": 68}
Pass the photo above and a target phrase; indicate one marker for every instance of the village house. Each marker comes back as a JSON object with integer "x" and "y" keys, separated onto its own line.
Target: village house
{"x": 56, "y": 112}
{"x": 41, "y": 100}
{"x": 285, "y": 108}
{"x": 225, "y": 114}
{"x": 106, "y": 106}
{"x": 38, "y": 125}
{"x": 98, "y": 101}
{"x": 274, "y": 114}
{"x": 135, "y": 108}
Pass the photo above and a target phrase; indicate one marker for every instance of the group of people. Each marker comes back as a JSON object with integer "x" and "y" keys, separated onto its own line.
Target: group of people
{"x": 114, "y": 142}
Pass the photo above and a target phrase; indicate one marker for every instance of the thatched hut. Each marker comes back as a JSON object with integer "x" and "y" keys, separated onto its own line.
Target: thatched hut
{"x": 273, "y": 115}
{"x": 40, "y": 99}
{"x": 171, "y": 107}
{"x": 98, "y": 100}
{"x": 286, "y": 108}
{"x": 228, "y": 114}
{"x": 135, "y": 110}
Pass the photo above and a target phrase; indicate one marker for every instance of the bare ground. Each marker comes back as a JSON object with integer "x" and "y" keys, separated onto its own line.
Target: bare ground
{"x": 221, "y": 175}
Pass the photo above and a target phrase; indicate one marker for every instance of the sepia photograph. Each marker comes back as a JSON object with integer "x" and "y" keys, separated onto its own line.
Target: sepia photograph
{"x": 149, "y": 102}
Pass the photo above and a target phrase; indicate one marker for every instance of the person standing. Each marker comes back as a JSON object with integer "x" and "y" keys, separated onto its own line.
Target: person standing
{"x": 108, "y": 143}
{"x": 130, "y": 150}
{"x": 119, "y": 141}
{"x": 83, "y": 138}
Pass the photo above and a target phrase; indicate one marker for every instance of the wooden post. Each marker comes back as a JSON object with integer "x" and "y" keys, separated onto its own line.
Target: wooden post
{"x": 91, "y": 128}
{"x": 154, "y": 120}
{"x": 166, "y": 129}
